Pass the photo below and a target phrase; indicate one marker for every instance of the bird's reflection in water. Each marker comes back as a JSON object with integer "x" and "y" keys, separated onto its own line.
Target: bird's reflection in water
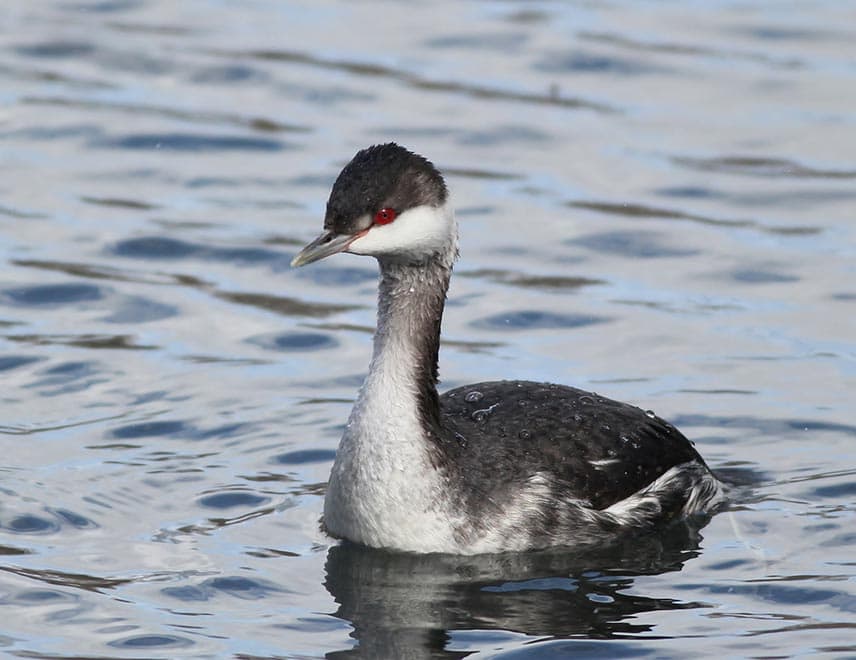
{"x": 406, "y": 605}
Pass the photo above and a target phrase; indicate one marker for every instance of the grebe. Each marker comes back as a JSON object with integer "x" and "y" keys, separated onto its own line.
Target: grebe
{"x": 484, "y": 468}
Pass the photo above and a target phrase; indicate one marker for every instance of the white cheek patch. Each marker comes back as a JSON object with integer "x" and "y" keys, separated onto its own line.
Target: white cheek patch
{"x": 421, "y": 230}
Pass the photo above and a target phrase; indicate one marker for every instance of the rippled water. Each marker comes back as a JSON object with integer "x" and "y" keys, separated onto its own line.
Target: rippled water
{"x": 656, "y": 202}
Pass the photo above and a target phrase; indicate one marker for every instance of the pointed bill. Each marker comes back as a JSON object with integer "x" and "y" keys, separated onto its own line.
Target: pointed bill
{"x": 326, "y": 244}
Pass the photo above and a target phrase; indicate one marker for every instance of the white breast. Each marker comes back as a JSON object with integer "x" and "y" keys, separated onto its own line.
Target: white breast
{"x": 383, "y": 490}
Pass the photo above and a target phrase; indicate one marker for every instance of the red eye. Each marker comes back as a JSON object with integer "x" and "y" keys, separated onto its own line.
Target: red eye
{"x": 385, "y": 216}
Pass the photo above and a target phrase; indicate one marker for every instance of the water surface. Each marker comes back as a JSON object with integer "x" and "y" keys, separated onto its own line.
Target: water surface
{"x": 656, "y": 202}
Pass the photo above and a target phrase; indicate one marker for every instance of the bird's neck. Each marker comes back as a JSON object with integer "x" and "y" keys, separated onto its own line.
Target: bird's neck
{"x": 382, "y": 470}
{"x": 384, "y": 485}
{"x": 403, "y": 370}
{"x": 398, "y": 402}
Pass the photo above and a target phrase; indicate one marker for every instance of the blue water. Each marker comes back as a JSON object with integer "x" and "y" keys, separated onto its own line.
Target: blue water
{"x": 656, "y": 202}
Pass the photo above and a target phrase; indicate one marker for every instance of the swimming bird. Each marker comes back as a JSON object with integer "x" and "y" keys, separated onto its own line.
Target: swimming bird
{"x": 491, "y": 467}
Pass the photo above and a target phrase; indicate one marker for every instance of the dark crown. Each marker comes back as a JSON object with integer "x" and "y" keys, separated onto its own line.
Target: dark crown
{"x": 382, "y": 176}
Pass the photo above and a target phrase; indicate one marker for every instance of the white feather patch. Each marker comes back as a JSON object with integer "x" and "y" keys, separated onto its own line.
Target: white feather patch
{"x": 424, "y": 230}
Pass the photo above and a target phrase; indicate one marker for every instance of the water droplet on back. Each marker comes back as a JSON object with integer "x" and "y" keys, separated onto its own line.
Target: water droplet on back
{"x": 473, "y": 396}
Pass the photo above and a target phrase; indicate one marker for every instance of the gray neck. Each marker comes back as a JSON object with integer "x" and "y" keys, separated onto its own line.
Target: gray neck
{"x": 411, "y": 298}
